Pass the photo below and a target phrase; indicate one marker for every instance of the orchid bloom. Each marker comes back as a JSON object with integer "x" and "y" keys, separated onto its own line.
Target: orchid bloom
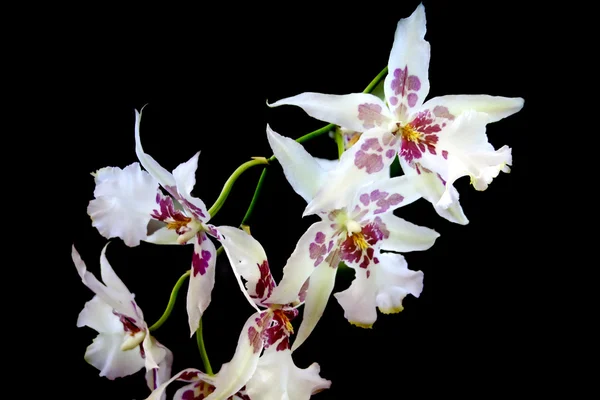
{"x": 250, "y": 375}
{"x": 127, "y": 200}
{"x": 355, "y": 232}
{"x": 438, "y": 141}
{"x": 124, "y": 344}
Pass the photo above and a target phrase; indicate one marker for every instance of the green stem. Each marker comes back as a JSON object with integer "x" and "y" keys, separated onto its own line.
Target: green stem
{"x": 229, "y": 184}
{"x": 339, "y": 140}
{"x": 254, "y": 197}
{"x": 376, "y": 80}
{"x": 203, "y": 355}
{"x": 171, "y": 304}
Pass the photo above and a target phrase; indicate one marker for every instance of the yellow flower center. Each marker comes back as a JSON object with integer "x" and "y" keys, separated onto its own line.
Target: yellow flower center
{"x": 409, "y": 133}
{"x": 359, "y": 240}
{"x": 285, "y": 320}
{"x": 178, "y": 224}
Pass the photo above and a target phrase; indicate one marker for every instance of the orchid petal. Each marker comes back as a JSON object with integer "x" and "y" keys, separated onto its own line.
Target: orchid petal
{"x": 404, "y": 236}
{"x": 163, "y": 357}
{"x": 302, "y": 170}
{"x": 121, "y": 301}
{"x": 123, "y": 204}
{"x": 312, "y": 249}
{"x": 319, "y": 289}
{"x": 365, "y": 162}
{"x": 407, "y": 82}
{"x": 384, "y": 196}
{"x": 105, "y": 351}
{"x": 277, "y": 377}
{"x": 356, "y": 111}
{"x": 164, "y": 235}
{"x": 431, "y": 186}
{"x": 185, "y": 180}
{"x": 187, "y": 375}
{"x": 383, "y": 285}
{"x": 395, "y": 281}
{"x": 202, "y": 279}
{"x": 235, "y": 374}
{"x": 248, "y": 257}
{"x": 194, "y": 391}
{"x": 495, "y": 107}
{"x": 164, "y": 177}
{"x": 325, "y": 164}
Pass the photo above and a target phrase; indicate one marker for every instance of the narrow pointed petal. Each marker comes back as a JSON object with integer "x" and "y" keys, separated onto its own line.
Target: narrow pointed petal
{"x": 431, "y": 186}
{"x": 495, "y": 107}
{"x": 277, "y": 377}
{"x": 123, "y": 204}
{"x": 407, "y": 82}
{"x": 185, "y": 180}
{"x": 121, "y": 301}
{"x": 312, "y": 250}
{"x": 319, "y": 289}
{"x": 202, "y": 279}
{"x": 356, "y": 111}
{"x": 384, "y": 196}
{"x": 236, "y": 373}
{"x": 110, "y": 278}
{"x": 164, "y": 177}
{"x": 187, "y": 375}
{"x": 365, "y": 162}
{"x": 248, "y": 257}
{"x": 383, "y": 285}
{"x": 302, "y": 170}
{"x": 405, "y": 236}
{"x": 163, "y": 357}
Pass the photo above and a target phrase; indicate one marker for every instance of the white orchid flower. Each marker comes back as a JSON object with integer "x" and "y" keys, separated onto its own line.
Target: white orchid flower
{"x": 124, "y": 344}
{"x": 250, "y": 375}
{"x": 355, "y": 232}
{"x": 439, "y": 140}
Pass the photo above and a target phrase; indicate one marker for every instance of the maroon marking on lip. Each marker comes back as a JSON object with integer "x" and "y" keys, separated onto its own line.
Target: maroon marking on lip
{"x": 265, "y": 282}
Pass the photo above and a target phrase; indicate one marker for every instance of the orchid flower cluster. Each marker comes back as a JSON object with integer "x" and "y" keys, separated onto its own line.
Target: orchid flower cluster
{"x": 436, "y": 142}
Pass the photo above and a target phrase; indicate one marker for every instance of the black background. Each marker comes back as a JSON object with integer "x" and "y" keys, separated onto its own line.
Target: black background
{"x": 205, "y": 75}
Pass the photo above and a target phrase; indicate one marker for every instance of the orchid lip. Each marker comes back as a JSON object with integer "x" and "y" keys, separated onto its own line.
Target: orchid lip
{"x": 132, "y": 341}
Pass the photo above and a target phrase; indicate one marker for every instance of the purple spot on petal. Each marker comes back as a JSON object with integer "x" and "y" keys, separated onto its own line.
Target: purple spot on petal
{"x": 445, "y": 154}
{"x": 364, "y": 198}
{"x": 393, "y": 100}
{"x": 370, "y": 114}
{"x": 320, "y": 238}
{"x": 371, "y": 162}
{"x": 390, "y": 153}
{"x": 412, "y": 99}
{"x": 414, "y": 83}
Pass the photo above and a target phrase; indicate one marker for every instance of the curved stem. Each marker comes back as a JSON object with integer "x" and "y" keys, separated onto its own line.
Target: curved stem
{"x": 171, "y": 304}
{"x": 376, "y": 80}
{"x": 254, "y": 197}
{"x": 214, "y": 209}
{"x": 203, "y": 354}
{"x": 339, "y": 140}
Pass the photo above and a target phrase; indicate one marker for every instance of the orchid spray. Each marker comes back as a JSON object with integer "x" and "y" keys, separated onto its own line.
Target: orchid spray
{"x": 354, "y": 195}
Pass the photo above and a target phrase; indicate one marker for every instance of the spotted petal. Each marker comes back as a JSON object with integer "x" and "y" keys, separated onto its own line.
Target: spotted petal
{"x": 123, "y": 204}
{"x": 356, "y": 111}
{"x": 202, "y": 279}
{"x": 164, "y": 359}
{"x": 407, "y": 82}
{"x": 384, "y": 285}
{"x": 277, "y": 377}
{"x": 495, "y": 107}
{"x": 365, "y": 162}
{"x": 384, "y": 196}
{"x": 248, "y": 257}
{"x": 187, "y": 375}
{"x": 319, "y": 289}
{"x": 312, "y": 250}
{"x": 303, "y": 171}
{"x": 236, "y": 373}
